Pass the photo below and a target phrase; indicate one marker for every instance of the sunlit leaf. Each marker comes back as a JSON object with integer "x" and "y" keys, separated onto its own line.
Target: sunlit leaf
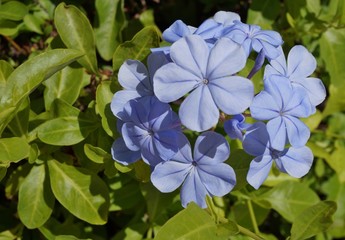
{"x": 36, "y": 200}
{"x": 76, "y": 32}
{"x": 13, "y": 10}
{"x": 85, "y": 195}
{"x": 313, "y": 220}
{"x": 13, "y": 149}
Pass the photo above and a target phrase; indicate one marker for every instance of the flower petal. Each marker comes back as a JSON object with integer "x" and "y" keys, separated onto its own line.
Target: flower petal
{"x": 256, "y": 139}
{"x": 224, "y": 63}
{"x": 166, "y": 143}
{"x": 191, "y": 53}
{"x": 226, "y": 18}
{"x": 280, "y": 88}
{"x": 119, "y": 101}
{"x": 264, "y": 107}
{"x": 122, "y": 154}
{"x": 149, "y": 152}
{"x": 168, "y": 176}
{"x": 297, "y": 161}
{"x": 314, "y": 87}
{"x": 278, "y": 64}
{"x": 301, "y": 63}
{"x": 133, "y": 136}
{"x": 171, "y": 82}
{"x": 211, "y": 148}
{"x": 233, "y": 95}
{"x": 176, "y": 31}
{"x": 297, "y": 132}
{"x": 299, "y": 105}
{"x": 276, "y": 129}
{"x": 198, "y": 111}
{"x": 218, "y": 179}
{"x": 193, "y": 190}
{"x": 258, "y": 170}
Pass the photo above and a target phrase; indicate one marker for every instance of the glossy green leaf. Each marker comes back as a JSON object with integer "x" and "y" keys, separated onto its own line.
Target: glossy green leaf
{"x": 20, "y": 123}
{"x": 191, "y": 223}
{"x": 76, "y": 32}
{"x": 8, "y": 27}
{"x": 33, "y": 23}
{"x": 64, "y": 131}
{"x": 132, "y": 232}
{"x": 263, "y": 13}
{"x": 138, "y": 48}
{"x": 332, "y": 51}
{"x": 34, "y": 153}
{"x": 336, "y": 101}
{"x": 65, "y": 84}
{"x": 337, "y": 163}
{"x": 13, "y": 149}
{"x": 335, "y": 191}
{"x": 85, "y": 195}
{"x": 60, "y": 108}
{"x": 295, "y": 8}
{"x": 103, "y": 99}
{"x": 95, "y": 154}
{"x": 111, "y": 21}
{"x": 313, "y": 220}
{"x": 240, "y": 161}
{"x": 5, "y": 70}
{"x": 24, "y": 79}
{"x": 290, "y": 199}
{"x": 36, "y": 200}
{"x": 13, "y": 10}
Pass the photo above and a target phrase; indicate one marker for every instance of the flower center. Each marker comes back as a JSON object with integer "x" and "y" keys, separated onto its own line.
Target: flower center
{"x": 194, "y": 163}
{"x": 205, "y": 81}
{"x": 275, "y": 154}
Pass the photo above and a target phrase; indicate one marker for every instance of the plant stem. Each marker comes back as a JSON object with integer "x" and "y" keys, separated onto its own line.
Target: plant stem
{"x": 247, "y": 232}
{"x": 252, "y": 217}
{"x": 14, "y": 44}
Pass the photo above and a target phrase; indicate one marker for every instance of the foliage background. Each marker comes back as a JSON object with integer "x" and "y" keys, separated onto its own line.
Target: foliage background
{"x": 58, "y": 180}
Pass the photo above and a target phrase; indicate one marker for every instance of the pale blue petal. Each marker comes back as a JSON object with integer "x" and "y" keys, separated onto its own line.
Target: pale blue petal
{"x": 137, "y": 111}
{"x": 233, "y": 94}
{"x": 171, "y": 82}
{"x": 176, "y": 31}
{"x": 133, "y": 136}
{"x": 119, "y": 101}
{"x": 280, "y": 88}
{"x": 218, "y": 179}
{"x": 297, "y": 132}
{"x": 258, "y": 170}
{"x": 168, "y": 176}
{"x": 301, "y": 63}
{"x": 193, "y": 190}
{"x": 314, "y": 87}
{"x": 198, "y": 111}
{"x": 166, "y": 143}
{"x": 122, "y": 154}
{"x": 256, "y": 139}
{"x": 279, "y": 63}
{"x": 149, "y": 152}
{"x": 191, "y": 53}
{"x": 184, "y": 155}
{"x": 211, "y": 148}
{"x": 166, "y": 120}
{"x": 234, "y": 126}
{"x": 276, "y": 129}
{"x": 226, "y": 18}
{"x": 133, "y": 75}
{"x": 224, "y": 63}
{"x": 297, "y": 161}
{"x": 271, "y": 51}
{"x": 269, "y": 36}
{"x": 155, "y": 61}
{"x": 299, "y": 105}
{"x": 264, "y": 107}
{"x": 208, "y": 28}
{"x": 269, "y": 70}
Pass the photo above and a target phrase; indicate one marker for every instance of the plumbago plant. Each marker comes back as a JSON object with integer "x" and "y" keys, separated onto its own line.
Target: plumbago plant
{"x": 114, "y": 130}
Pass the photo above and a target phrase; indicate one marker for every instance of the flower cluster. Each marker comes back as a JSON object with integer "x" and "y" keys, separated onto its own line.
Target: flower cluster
{"x": 198, "y": 76}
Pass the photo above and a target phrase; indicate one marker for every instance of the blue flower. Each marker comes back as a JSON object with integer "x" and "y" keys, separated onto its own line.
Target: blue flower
{"x": 251, "y": 37}
{"x": 203, "y": 174}
{"x": 208, "y": 75}
{"x": 136, "y": 80}
{"x": 282, "y": 105}
{"x": 235, "y": 126}
{"x": 294, "y": 161}
{"x": 151, "y": 127}
{"x": 122, "y": 154}
{"x": 299, "y": 66}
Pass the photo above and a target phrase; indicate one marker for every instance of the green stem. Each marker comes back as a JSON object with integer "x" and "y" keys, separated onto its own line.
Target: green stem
{"x": 248, "y": 233}
{"x": 252, "y": 217}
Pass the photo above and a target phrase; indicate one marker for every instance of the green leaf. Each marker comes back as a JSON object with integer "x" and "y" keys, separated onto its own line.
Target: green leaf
{"x": 33, "y": 23}
{"x": 20, "y": 123}
{"x": 263, "y": 13}
{"x": 60, "y": 108}
{"x": 76, "y": 32}
{"x": 337, "y": 163}
{"x": 36, "y": 200}
{"x": 239, "y": 160}
{"x": 295, "y": 8}
{"x": 191, "y": 223}
{"x": 134, "y": 231}
{"x": 335, "y": 101}
{"x": 15, "y": 179}
{"x": 138, "y": 48}
{"x": 313, "y": 220}
{"x": 8, "y": 27}
{"x": 13, "y": 10}
{"x": 335, "y": 191}
{"x": 332, "y": 50}
{"x": 65, "y": 84}
{"x": 5, "y": 71}
{"x": 103, "y": 99}
{"x": 96, "y": 154}
{"x": 13, "y": 149}
{"x": 111, "y": 21}
{"x": 85, "y": 195}
{"x": 24, "y": 79}
{"x": 156, "y": 201}
{"x": 3, "y": 171}
{"x": 65, "y": 131}
{"x": 289, "y": 199}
